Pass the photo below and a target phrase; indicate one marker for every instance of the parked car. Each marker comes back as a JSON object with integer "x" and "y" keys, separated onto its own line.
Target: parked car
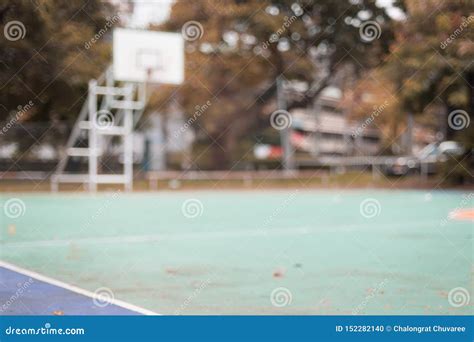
{"x": 426, "y": 158}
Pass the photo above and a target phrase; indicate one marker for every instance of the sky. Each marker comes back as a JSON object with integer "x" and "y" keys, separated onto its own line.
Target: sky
{"x": 150, "y": 11}
{"x": 156, "y": 11}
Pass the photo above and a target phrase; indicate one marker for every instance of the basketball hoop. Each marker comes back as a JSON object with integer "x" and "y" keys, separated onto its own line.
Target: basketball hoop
{"x": 148, "y": 56}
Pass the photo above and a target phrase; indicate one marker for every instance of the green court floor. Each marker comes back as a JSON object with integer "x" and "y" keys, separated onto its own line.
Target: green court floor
{"x": 249, "y": 252}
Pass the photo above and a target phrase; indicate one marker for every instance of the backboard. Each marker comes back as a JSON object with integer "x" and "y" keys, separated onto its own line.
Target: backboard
{"x": 148, "y": 56}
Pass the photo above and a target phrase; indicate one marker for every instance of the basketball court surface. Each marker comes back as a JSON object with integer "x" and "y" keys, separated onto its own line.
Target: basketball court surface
{"x": 236, "y": 252}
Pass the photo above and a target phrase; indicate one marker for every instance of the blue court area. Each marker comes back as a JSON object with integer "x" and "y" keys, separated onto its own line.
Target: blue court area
{"x": 21, "y": 294}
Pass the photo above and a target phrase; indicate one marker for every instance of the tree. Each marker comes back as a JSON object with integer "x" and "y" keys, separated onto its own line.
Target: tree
{"x": 241, "y": 47}
{"x": 431, "y": 67}
{"x": 47, "y": 55}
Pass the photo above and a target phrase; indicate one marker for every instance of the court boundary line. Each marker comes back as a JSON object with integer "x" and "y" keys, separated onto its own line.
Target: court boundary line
{"x": 76, "y": 289}
{"x": 262, "y": 231}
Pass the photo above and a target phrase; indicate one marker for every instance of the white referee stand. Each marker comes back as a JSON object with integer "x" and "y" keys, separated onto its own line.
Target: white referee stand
{"x": 120, "y": 107}
{"x": 116, "y": 101}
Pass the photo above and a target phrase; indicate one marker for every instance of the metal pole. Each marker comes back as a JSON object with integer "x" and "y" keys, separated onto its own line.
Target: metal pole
{"x": 348, "y": 144}
{"x": 54, "y": 184}
{"x": 423, "y": 171}
{"x": 409, "y": 134}
{"x": 93, "y": 142}
{"x": 288, "y": 162}
{"x": 443, "y": 124}
{"x": 128, "y": 144}
{"x": 375, "y": 172}
{"x": 109, "y": 82}
{"x": 316, "y": 135}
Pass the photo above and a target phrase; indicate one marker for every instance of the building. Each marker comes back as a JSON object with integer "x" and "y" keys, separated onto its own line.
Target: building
{"x": 326, "y": 130}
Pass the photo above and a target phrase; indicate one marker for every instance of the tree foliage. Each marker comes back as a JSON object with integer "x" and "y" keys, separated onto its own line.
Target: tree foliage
{"x": 246, "y": 45}
{"x": 49, "y": 63}
{"x": 431, "y": 59}
{"x": 430, "y": 67}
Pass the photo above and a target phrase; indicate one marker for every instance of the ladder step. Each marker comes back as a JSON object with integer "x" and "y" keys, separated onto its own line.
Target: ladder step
{"x": 112, "y": 91}
{"x": 85, "y": 125}
{"x": 84, "y": 178}
{"x": 79, "y": 152}
{"x": 70, "y": 178}
{"x": 111, "y": 179}
{"x": 114, "y": 130}
{"x": 133, "y": 105}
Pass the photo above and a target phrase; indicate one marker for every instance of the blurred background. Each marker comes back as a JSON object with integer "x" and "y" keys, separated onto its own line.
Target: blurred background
{"x": 284, "y": 94}
{"x": 354, "y": 92}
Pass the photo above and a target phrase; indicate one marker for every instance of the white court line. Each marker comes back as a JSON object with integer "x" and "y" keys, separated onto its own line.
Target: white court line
{"x": 75, "y": 289}
{"x": 258, "y": 232}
